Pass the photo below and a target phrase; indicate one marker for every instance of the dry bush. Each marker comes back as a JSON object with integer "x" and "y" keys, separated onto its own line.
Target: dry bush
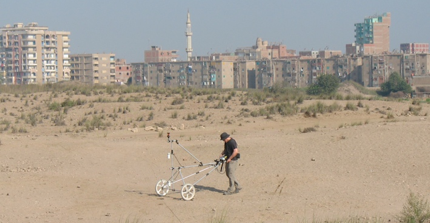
{"x": 308, "y": 129}
{"x": 398, "y": 94}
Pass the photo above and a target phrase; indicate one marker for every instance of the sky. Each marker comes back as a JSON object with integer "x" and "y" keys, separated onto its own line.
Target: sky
{"x": 129, "y": 27}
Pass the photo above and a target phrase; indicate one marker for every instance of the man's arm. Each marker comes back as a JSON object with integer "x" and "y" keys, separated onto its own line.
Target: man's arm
{"x": 235, "y": 152}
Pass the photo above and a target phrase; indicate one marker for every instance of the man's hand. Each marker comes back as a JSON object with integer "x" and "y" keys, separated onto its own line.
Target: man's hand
{"x": 228, "y": 161}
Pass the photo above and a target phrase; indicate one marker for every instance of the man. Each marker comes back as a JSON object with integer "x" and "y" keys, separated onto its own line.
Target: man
{"x": 233, "y": 155}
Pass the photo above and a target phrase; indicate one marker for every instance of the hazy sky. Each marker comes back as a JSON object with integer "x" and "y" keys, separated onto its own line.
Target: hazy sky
{"x": 129, "y": 27}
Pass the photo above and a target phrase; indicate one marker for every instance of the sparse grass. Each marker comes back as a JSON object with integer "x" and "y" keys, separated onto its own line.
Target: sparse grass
{"x": 320, "y": 107}
{"x": 222, "y": 218}
{"x": 146, "y": 107}
{"x": 354, "y": 219}
{"x": 191, "y": 116}
{"x": 174, "y": 114}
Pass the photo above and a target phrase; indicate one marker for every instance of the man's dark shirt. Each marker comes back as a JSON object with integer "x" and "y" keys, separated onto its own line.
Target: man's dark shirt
{"x": 229, "y": 148}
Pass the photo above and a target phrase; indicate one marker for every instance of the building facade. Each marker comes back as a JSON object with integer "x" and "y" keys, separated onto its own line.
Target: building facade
{"x": 414, "y": 48}
{"x": 367, "y": 70}
{"x": 373, "y": 35}
{"x": 93, "y": 68}
{"x": 198, "y": 74}
{"x": 123, "y": 72}
{"x": 156, "y": 55}
{"x": 263, "y": 50}
{"x": 31, "y": 54}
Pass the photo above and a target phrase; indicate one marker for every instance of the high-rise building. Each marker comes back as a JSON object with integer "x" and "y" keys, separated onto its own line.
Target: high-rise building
{"x": 93, "y": 68}
{"x": 373, "y": 35}
{"x": 32, "y": 54}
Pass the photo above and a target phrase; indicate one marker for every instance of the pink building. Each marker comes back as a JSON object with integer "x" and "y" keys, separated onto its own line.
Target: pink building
{"x": 157, "y": 55}
{"x": 413, "y": 48}
{"x": 122, "y": 71}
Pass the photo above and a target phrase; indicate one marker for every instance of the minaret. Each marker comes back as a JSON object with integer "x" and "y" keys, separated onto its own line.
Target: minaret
{"x": 188, "y": 34}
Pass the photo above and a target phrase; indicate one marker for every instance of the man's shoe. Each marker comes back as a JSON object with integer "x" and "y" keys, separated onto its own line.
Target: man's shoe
{"x": 237, "y": 190}
{"x": 228, "y": 192}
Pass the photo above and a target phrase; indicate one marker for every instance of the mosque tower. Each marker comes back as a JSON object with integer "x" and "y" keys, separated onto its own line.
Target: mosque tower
{"x": 188, "y": 34}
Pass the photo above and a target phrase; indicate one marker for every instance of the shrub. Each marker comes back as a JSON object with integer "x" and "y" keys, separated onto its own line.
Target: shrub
{"x": 55, "y": 106}
{"x": 390, "y": 115}
{"x": 145, "y": 107}
{"x": 151, "y": 116}
{"x": 177, "y": 101}
{"x": 309, "y": 129}
{"x": 415, "y": 110}
{"x": 300, "y": 99}
{"x": 96, "y": 123}
{"x": 326, "y": 84}
{"x": 416, "y": 102}
{"x": 58, "y": 120}
{"x": 395, "y": 83}
{"x": 415, "y": 210}
{"x": 220, "y": 105}
{"x": 350, "y": 106}
{"x": 68, "y": 103}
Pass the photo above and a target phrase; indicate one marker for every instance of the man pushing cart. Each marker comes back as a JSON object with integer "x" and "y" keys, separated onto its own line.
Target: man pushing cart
{"x": 188, "y": 190}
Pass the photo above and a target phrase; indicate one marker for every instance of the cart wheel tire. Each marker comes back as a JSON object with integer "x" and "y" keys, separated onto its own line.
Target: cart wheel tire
{"x": 188, "y": 191}
{"x": 162, "y": 187}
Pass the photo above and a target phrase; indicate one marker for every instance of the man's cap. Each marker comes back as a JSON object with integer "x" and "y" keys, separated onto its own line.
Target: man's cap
{"x": 224, "y": 136}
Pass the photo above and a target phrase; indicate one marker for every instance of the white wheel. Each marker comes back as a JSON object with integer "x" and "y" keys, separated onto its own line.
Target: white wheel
{"x": 188, "y": 191}
{"x": 162, "y": 187}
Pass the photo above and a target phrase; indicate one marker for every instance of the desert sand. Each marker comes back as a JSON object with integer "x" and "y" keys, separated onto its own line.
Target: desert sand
{"x": 356, "y": 163}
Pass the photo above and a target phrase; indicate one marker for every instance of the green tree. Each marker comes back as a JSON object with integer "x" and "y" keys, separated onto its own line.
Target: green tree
{"x": 326, "y": 84}
{"x": 395, "y": 83}
{"x": 129, "y": 81}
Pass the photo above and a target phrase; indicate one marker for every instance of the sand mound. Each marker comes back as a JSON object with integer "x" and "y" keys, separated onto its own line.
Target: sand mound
{"x": 348, "y": 88}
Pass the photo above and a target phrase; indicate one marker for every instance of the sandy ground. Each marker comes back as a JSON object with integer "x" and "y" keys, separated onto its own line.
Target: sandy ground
{"x": 356, "y": 163}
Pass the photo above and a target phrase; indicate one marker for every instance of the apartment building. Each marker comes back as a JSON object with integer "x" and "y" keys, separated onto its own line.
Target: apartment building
{"x": 373, "y": 35}
{"x": 156, "y": 54}
{"x": 244, "y": 74}
{"x": 368, "y": 70}
{"x": 123, "y": 72}
{"x": 263, "y": 50}
{"x": 413, "y": 68}
{"x": 93, "y": 68}
{"x": 31, "y": 54}
{"x": 414, "y": 48}
{"x": 320, "y": 54}
{"x": 199, "y": 74}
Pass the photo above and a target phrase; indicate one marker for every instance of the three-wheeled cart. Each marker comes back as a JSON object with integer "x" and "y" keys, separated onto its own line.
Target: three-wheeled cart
{"x": 187, "y": 190}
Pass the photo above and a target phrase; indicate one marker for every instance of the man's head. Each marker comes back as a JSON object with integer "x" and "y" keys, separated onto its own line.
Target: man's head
{"x": 224, "y": 136}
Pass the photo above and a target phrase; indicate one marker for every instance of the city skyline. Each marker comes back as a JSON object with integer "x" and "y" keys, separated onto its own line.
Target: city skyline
{"x": 129, "y": 28}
